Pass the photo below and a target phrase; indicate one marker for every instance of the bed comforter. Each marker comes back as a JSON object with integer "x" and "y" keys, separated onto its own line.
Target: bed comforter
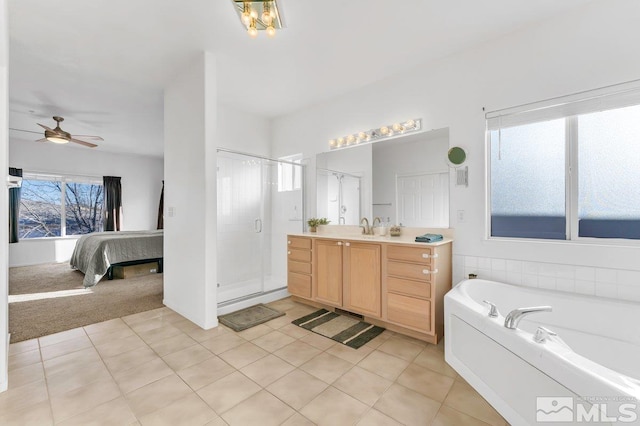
{"x": 95, "y": 253}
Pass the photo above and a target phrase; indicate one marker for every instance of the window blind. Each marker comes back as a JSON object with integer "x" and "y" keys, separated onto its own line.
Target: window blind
{"x": 606, "y": 98}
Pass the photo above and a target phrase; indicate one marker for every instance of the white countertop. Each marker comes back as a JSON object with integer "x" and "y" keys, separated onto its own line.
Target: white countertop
{"x": 405, "y": 238}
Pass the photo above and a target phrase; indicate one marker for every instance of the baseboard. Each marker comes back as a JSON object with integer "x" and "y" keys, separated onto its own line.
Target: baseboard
{"x": 4, "y": 384}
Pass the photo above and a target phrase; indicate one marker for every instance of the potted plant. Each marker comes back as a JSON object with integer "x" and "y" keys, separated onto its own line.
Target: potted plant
{"x": 314, "y": 222}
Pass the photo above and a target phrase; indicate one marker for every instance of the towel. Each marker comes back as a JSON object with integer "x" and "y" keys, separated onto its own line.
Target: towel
{"x": 428, "y": 238}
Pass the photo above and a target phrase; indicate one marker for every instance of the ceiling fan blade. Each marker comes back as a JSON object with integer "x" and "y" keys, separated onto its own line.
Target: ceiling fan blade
{"x": 42, "y": 140}
{"x": 78, "y": 141}
{"x": 96, "y": 138}
{"x": 44, "y": 127}
{"x": 26, "y": 131}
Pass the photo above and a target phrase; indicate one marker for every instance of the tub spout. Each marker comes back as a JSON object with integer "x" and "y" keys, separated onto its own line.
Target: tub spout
{"x": 513, "y": 318}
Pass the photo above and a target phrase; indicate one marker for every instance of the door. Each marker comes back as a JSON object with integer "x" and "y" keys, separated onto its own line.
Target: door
{"x": 328, "y": 283}
{"x": 423, "y": 200}
{"x": 362, "y": 278}
{"x": 241, "y": 199}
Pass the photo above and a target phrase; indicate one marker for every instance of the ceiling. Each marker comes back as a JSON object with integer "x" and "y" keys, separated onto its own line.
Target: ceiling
{"x": 103, "y": 64}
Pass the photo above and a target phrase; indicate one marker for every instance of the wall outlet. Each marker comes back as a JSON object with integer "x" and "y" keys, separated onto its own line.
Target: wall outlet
{"x": 171, "y": 211}
{"x": 460, "y": 216}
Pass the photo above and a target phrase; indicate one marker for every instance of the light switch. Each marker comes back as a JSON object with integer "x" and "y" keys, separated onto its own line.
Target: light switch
{"x": 171, "y": 211}
{"x": 460, "y": 216}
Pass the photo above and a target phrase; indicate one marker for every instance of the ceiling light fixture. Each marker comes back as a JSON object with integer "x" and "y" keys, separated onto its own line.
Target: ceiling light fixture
{"x": 381, "y": 133}
{"x": 259, "y": 15}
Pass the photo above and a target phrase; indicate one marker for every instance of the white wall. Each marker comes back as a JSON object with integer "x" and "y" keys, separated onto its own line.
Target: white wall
{"x": 4, "y": 195}
{"x": 141, "y": 186}
{"x": 243, "y": 131}
{"x": 561, "y": 56}
{"x": 190, "y": 111}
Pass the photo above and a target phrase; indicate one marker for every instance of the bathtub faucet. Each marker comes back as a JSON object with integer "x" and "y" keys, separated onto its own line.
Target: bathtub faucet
{"x": 513, "y": 318}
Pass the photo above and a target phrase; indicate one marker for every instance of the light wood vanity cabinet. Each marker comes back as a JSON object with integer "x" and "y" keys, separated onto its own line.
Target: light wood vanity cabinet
{"x": 348, "y": 275}
{"x": 398, "y": 286}
{"x": 299, "y": 267}
{"x": 362, "y": 278}
{"x": 328, "y": 275}
{"x": 417, "y": 278}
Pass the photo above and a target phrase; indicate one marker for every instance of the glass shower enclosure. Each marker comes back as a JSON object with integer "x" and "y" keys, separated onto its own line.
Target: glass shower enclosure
{"x": 260, "y": 201}
{"x": 338, "y": 195}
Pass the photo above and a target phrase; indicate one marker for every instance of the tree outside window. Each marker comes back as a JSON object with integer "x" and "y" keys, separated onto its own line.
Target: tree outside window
{"x": 58, "y": 207}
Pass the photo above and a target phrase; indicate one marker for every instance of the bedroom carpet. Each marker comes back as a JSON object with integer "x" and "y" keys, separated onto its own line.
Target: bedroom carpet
{"x": 47, "y": 299}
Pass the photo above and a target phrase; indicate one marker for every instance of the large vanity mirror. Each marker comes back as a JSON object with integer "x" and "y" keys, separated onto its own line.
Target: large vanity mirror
{"x": 404, "y": 180}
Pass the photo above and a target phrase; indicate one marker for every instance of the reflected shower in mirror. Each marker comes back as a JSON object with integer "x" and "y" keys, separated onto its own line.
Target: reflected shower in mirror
{"x": 404, "y": 180}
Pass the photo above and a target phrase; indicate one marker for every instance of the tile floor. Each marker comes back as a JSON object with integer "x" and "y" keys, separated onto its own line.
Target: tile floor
{"x": 157, "y": 368}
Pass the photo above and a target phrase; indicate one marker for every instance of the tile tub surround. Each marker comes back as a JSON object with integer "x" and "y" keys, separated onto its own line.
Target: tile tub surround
{"x": 601, "y": 282}
{"x": 157, "y": 368}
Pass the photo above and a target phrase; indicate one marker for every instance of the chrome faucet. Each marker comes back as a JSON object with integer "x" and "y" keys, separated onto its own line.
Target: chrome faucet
{"x": 373, "y": 224}
{"x": 513, "y": 318}
{"x": 366, "y": 230}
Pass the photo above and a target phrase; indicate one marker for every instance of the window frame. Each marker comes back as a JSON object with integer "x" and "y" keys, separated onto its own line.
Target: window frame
{"x": 64, "y": 179}
{"x": 572, "y": 178}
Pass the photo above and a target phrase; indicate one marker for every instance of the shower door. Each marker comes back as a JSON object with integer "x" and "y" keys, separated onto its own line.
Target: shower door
{"x": 248, "y": 191}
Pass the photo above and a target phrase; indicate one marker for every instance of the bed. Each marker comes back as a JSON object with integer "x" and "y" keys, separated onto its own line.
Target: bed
{"x": 96, "y": 254}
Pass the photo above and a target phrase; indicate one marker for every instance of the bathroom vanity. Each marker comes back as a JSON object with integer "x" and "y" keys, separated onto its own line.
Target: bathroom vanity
{"x": 393, "y": 282}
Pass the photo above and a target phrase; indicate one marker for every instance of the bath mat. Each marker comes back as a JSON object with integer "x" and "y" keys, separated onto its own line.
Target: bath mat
{"x": 249, "y": 317}
{"x": 341, "y": 328}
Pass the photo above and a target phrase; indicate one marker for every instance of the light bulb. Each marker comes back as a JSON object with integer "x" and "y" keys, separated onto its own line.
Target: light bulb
{"x": 340, "y": 141}
{"x": 398, "y": 127}
{"x": 332, "y": 143}
{"x": 410, "y": 124}
{"x": 254, "y": 13}
{"x": 384, "y": 130}
{"x": 252, "y": 31}
{"x": 351, "y": 139}
{"x": 271, "y": 31}
{"x": 246, "y": 18}
{"x": 363, "y": 136}
{"x": 266, "y": 17}
{"x": 246, "y": 15}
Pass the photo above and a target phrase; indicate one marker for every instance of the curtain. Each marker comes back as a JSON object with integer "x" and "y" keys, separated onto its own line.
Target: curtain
{"x": 161, "y": 209}
{"x": 14, "y": 207}
{"x": 113, "y": 203}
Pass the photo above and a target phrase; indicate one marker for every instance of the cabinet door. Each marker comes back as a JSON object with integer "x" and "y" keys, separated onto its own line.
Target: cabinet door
{"x": 362, "y": 278}
{"x": 328, "y": 282}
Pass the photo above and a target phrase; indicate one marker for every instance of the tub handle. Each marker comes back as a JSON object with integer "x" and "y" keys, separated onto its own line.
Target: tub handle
{"x": 542, "y": 334}
{"x": 493, "y": 310}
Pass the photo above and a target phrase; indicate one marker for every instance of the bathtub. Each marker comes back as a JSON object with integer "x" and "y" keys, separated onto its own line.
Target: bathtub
{"x": 595, "y": 358}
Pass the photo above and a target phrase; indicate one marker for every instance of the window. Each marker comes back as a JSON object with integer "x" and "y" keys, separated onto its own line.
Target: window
{"x": 56, "y": 206}
{"x": 567, "y": 171}
{"x": 290, "y": 173}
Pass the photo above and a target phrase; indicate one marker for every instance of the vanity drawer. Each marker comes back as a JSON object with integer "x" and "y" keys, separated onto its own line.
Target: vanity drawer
{"x": 299, "y": 267}
{"x": 409, "y": 270}
{"x": 409, "y": 287}
{"x": 299, "y": 243}
{"x": 299, "y": 255}
{"x": 409, "y": 311}
{"x": 410, "y": 254}
{"x": 299, "y": 285}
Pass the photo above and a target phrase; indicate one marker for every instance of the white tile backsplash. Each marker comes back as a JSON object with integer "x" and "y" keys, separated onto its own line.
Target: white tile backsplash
{"x": 603, "y": 282}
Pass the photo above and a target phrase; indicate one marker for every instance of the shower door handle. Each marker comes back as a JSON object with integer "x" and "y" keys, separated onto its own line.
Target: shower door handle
{"x": 257, "y": 225}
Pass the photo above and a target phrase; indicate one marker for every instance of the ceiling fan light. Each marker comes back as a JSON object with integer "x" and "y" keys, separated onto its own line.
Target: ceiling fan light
{"x": 57, "y": 139}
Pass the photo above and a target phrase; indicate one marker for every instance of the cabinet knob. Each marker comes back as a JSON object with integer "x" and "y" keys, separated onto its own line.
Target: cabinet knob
{"x": 339, "y": 243}
{"x": 288, "y": 252}
{"x": 289, "y": 242}
{"x": 347, "y": 244}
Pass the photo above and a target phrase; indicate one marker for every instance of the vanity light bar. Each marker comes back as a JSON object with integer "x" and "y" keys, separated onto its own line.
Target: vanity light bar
{"x": 381, "y": 133}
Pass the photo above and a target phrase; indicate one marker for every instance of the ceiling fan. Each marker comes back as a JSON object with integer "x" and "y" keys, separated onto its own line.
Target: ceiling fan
{"x": 57, "y": 135}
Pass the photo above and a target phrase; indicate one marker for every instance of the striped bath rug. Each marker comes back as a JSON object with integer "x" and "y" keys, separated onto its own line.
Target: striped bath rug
{"x": 341, "y": 328}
